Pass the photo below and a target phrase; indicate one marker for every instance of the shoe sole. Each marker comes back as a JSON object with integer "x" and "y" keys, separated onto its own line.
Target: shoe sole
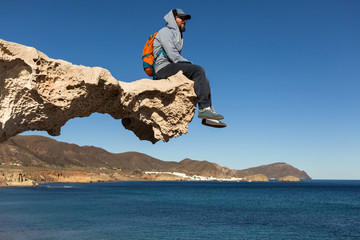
{"x": 201, "y": 117}
{"x": 213, "y": 124}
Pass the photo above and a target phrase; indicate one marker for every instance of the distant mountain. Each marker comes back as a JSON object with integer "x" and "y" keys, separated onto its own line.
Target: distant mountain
{"x": 46, "y": 152}
{"x": 276, "y": 170}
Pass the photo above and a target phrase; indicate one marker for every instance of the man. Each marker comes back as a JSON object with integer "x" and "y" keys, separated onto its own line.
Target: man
{"x": 168, "y": 61}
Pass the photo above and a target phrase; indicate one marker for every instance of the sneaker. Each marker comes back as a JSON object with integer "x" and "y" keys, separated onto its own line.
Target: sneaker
{"x": 213, "y": 123}
{"x": 209, "y": 113}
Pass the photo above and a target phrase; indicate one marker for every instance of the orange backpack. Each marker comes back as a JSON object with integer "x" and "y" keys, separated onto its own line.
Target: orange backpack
{"x": 148, "y": 56}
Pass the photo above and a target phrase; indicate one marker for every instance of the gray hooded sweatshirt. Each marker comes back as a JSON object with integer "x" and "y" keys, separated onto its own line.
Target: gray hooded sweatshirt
{"x": 168, "y": 39}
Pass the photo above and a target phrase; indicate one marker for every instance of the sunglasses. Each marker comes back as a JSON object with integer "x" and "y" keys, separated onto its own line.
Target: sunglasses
{"x": 183, "y": 18}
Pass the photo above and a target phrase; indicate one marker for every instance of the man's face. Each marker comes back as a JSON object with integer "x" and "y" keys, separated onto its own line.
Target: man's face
{"x": 181, "y": 21}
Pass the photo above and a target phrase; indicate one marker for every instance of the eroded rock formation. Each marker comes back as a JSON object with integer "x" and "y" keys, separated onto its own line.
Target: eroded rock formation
{"x": 14, "y": 178}
{"x": 256, "y": 178}
{"x": 289, "y": 179}
{"x": 40, "y": 93}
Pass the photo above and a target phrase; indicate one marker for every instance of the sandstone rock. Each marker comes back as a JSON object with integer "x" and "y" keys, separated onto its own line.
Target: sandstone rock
{"x": 256, "y": 178}
{"x": 72, "y": 177}
{"x": 289, "y": 179}
{"x": 15, "y": 178}
{"x": 162, "y": 177}
{"x": 40, "y": 93}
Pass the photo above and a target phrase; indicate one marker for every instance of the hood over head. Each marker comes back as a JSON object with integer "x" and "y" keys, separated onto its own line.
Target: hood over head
{"x": 170, "y": 20}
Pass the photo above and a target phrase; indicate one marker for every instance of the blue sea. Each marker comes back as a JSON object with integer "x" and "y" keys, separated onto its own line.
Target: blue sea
{"x": 182, "y": 210}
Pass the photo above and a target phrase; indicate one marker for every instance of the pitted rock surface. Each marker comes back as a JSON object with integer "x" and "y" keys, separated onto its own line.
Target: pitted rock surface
{"x": 40, "y": 93}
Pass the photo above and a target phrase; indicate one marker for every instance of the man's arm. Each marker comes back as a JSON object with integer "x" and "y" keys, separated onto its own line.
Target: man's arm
{"x": 168, "y": 44}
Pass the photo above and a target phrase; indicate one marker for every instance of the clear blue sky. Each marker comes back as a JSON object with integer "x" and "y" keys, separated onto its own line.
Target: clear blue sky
{"x": 284, "y": 73}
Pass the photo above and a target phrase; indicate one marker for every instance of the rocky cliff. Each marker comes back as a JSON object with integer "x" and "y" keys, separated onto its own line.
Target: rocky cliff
{"x": 15, "y": 177}
{"x": 256, "y": 178}
{"x": 289, "y": 179}
{"x": 40, "y": 93}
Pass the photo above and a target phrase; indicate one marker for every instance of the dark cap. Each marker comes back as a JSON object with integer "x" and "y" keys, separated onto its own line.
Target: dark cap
{"x": 179, "y": 12}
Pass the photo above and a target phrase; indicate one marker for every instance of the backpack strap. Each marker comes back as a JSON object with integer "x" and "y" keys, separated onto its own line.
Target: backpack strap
{"x": 165, "y": 55}
{"x": 162, "y": 52}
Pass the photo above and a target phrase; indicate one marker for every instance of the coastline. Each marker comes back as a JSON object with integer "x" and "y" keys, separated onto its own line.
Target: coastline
{"x": 20, "y": 176}
{"x": 340, "y": 182}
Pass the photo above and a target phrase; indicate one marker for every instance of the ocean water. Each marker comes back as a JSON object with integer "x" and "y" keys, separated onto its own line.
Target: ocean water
{"x": 182, "y": 210}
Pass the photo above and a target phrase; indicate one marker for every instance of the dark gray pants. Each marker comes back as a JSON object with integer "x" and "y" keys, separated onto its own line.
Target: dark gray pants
{"x": 195, "y": 73}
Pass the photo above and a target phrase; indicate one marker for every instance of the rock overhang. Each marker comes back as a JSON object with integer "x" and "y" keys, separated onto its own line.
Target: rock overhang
{"x": 41, "y": 93}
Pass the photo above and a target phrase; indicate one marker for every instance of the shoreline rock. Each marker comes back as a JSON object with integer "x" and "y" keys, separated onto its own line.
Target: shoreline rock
{"x": 256, "y": 178}
{"x": 15, "y": 178}
{"x": 289, "y": 179}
